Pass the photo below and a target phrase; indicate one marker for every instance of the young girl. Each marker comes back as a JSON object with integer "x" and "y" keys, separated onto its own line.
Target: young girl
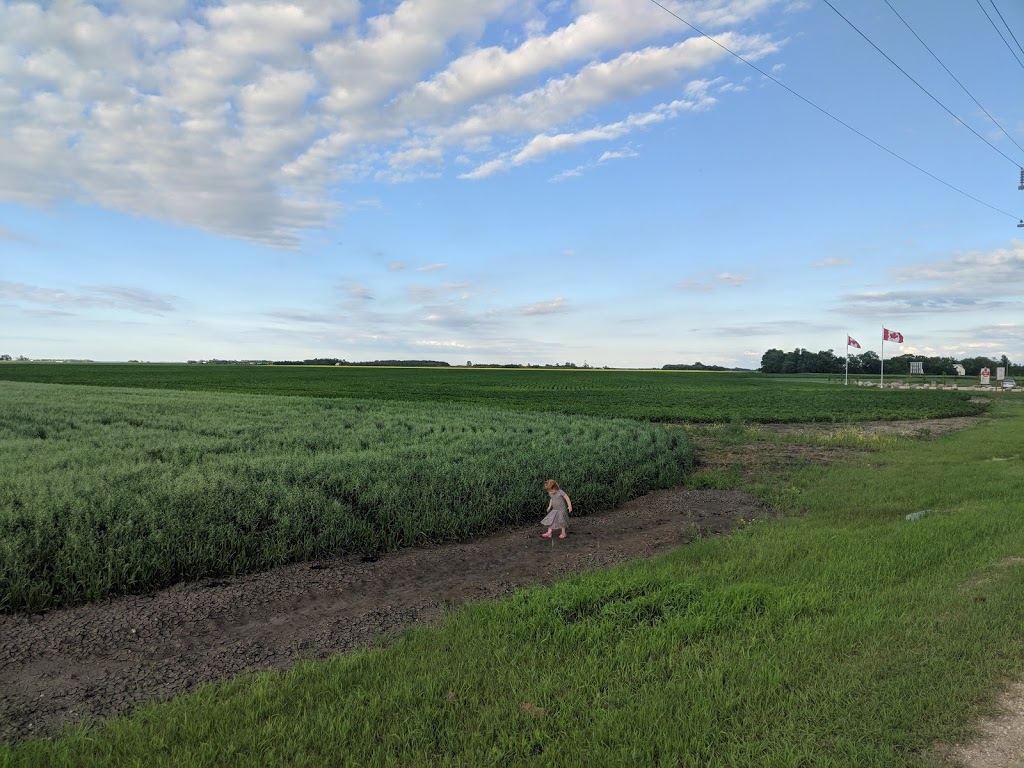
{"x": 558, "y": 510}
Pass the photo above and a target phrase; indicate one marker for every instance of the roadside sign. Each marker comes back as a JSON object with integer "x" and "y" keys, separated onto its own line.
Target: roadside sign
{"x": 985, "y": 373}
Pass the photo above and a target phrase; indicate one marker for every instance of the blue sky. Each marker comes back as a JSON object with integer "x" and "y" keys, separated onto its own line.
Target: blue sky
{"x": 529, "y": 181}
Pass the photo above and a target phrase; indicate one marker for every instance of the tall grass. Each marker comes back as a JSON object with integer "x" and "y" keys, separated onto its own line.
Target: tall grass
{"x": 106, "y": 491}
{"x": 847, "y": 636}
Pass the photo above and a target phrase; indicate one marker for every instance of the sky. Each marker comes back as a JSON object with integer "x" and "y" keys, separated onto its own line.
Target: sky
{"x": 510, "y": 181}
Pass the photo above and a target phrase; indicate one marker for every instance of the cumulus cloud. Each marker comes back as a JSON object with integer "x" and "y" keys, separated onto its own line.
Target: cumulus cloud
{"x": 242, "y": 118}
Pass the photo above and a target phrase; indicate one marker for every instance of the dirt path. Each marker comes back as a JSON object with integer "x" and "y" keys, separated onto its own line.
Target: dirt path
{"x": 101, "y": 660}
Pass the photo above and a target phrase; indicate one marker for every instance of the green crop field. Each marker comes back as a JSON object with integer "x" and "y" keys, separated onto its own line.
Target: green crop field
{"x": 106, "y": 491}
{"x": 673, "y": 396}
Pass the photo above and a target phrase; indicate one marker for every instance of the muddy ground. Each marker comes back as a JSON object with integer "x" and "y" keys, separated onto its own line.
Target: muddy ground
{"x": 101, "y": 660}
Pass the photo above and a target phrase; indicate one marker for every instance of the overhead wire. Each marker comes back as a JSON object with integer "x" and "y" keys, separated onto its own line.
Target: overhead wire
{"x": 1000, "y": 32}
{"x": 996, "y": 8}
{"x": 1005, "y": 133}
{"x": 911, "y": 78}
{"x": 828, "y": 114}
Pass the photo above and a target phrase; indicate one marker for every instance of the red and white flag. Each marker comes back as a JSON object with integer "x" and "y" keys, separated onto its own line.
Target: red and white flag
{"x": 888, "y": 335}
{"x": 852, "y": 342}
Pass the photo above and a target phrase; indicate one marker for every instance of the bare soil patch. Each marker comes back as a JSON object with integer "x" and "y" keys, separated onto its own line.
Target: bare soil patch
{"x": 1000, "y": 741}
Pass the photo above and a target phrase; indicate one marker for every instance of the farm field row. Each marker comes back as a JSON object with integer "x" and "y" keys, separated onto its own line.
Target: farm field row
{"x": 672, "y": 396}
{"x": 107, "y": 490}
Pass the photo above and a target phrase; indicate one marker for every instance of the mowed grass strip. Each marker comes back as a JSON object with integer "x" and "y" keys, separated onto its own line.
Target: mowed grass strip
{"x": 106, "y": 491}
{"x": 676, "y": 396}
{"x": 846, "y": 636}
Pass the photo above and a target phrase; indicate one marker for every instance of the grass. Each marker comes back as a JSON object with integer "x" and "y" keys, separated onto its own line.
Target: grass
{"x": 843, "y": 635}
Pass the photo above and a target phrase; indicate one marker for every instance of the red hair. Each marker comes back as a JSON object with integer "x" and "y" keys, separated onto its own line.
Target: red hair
{"x": 551, "y": 485}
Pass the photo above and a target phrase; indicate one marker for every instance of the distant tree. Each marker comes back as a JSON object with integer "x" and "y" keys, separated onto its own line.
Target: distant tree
{"x": 773, "y": 361}
{"x": 698, "y": 366}
{"x": 792, "y": 363}
{"x": 870, "y": 362}
{"x": 804, "y": 361}
{"x": 5, "y": 357}
{"x": 973, "y": 365}
{"x": 899, "y": 365}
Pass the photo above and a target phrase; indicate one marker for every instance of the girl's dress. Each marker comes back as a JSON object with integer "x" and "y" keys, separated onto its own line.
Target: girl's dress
{"x": 558, "y": 517}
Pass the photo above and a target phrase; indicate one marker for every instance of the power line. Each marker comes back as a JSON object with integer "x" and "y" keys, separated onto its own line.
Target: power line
{"x": 953, "y": 76}
{"x": 829, "y": 114}
{"x": 1000, "y": 32}
{"x": 1006, "y": 25}
{"x": 929, "y": 93}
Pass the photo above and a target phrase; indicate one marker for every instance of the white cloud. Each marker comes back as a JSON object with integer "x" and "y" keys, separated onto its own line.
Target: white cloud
{"x": 439, "y": 344}
{"x": 617, "y": 155}
{"x": 831, "y": 262}
{"x": 542, "y": 145}
{"x": 569, "y": 173}
{"x": 554, "y": 306}
{"x": 242, "y": 117}
{"x": 996, "y": 268}
{"x": 971, "y": 282}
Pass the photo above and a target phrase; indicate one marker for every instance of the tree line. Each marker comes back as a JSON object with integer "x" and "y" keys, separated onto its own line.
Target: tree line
{"x": 826, "y": 361}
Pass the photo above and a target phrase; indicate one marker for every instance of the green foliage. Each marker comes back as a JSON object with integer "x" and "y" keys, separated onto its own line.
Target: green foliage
{"x": 868, "y": 362}
{"x": 673, "y": 396}
{"x": 106, "y": 491}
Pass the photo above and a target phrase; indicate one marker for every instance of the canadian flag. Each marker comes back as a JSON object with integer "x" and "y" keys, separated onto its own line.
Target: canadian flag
{"x": 852, "y": 342}
{"x": 888, "y": 335}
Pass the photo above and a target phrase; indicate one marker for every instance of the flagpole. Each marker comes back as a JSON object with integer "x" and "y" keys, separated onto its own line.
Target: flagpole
{"x": 846, "y": 381}
{"x": 881, "y": 380}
